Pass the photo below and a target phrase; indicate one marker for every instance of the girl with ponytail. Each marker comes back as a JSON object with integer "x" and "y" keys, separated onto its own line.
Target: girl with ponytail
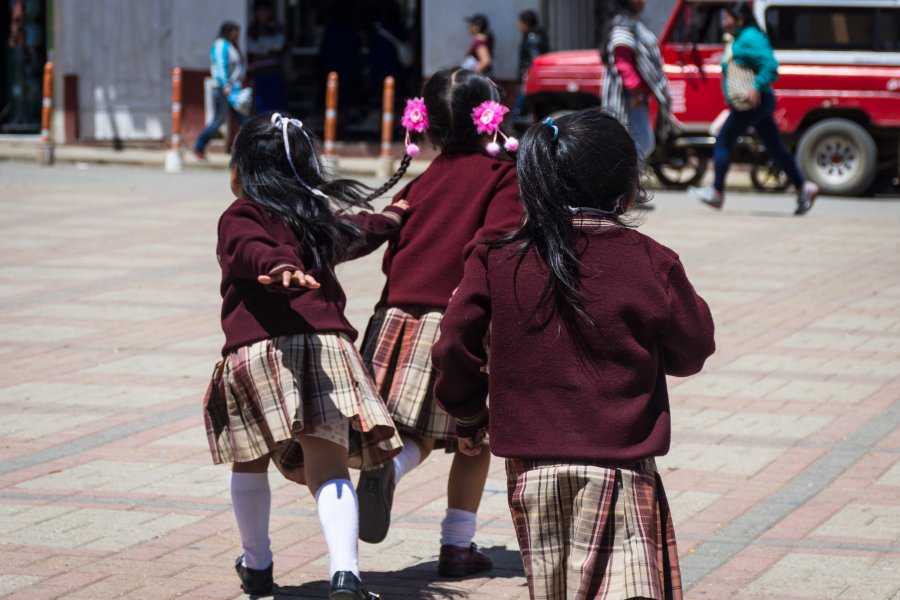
{"x": 292, "y": 388}
{"x": 587, "y": 317}
{"x": 468, "y": 194}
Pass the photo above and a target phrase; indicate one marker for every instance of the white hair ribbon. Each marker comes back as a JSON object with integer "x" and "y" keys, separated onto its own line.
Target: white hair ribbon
{"x": 280, "y": 122}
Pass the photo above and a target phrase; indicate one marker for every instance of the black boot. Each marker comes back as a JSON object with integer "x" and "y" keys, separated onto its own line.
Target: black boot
{"x": 347, "y": 586}
{"x": 254, "y": 582}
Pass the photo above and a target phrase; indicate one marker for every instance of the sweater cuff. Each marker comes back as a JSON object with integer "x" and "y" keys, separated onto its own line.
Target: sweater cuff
{"x": 395, "y": 214}
{"x": 468, "y": 427}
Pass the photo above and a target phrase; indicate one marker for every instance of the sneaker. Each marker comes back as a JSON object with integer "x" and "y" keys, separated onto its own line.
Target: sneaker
{"x": 806, "y": 198}
{"x": 375, "y": 492}
{"x": 708, "y": 196}
{"x": 459, "y": 562}
{"x": 254, "y": 582}
{"x": 200, "y": 155}
{"x": 347, "y": 586}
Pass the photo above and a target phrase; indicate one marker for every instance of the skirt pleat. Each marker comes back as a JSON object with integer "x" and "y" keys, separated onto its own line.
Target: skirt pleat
{"x": 594, "y": 531}
{"x": 262, "y": 397}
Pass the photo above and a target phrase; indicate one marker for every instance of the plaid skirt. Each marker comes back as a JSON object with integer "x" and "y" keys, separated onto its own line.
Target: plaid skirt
{"x": 593, "y": 532}
{"x": 397, "y": 350}
{"x": 263, "y": 396}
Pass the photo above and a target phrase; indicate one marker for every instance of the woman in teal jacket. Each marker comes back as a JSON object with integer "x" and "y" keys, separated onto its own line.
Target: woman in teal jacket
{"x": 751, "y": 48}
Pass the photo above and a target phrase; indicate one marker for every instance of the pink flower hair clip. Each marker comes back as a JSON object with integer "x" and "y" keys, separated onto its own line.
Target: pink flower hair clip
{"x": 415, "y": 118}
{"x": 487, "y": 117}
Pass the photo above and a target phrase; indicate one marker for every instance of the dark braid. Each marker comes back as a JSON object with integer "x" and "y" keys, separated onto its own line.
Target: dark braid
{"x": 401, "y": 171}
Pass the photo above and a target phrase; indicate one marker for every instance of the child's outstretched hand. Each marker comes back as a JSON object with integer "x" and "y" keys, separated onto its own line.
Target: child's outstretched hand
{"x": 294, "y": 280}
{"x": 401, "y": 204}
{"x": 471, "y": 446}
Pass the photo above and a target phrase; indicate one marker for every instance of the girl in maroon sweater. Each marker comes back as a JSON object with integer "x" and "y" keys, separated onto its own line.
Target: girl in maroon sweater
{"x": 292, "y": 387}
{"x": 587, "y": 317}
{"x": 466, "y": 195}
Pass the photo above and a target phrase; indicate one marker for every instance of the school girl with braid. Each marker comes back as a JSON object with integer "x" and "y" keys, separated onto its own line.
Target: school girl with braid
{"x": 292, "y": 388}
{"x": 468, "y": 193}
{"x": 587, "y": 318}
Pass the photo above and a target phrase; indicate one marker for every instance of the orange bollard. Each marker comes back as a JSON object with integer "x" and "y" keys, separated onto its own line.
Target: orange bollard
{"x": 387, "y": 117}
{"x": 45, "y": 152}
{"x": 176, "y": 108}
{"x": 331, "y": 107}
{"x": 173, "y": 156}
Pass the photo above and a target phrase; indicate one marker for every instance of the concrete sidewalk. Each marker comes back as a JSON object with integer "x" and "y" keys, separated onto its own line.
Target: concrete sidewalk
{"x": 784, "y": 473}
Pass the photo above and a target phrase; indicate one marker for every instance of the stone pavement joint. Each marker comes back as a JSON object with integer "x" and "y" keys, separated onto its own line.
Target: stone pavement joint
{"x": 746, "y": 528}
{"x": 783, "y": 476}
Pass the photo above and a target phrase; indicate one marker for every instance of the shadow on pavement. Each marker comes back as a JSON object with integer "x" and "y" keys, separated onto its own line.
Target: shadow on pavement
{"x": 431, "y": 586}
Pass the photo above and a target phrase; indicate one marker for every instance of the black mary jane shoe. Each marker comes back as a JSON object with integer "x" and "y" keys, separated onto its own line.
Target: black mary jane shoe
{"x": 254, "y": 582}
{"x": 347, "y": 586}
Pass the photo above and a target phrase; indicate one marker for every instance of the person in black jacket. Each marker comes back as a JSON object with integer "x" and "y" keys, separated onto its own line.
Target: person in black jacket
{"x": 534, "y": 43}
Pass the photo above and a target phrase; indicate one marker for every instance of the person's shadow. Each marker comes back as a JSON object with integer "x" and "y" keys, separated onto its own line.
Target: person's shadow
{"x": 419, "y": 581}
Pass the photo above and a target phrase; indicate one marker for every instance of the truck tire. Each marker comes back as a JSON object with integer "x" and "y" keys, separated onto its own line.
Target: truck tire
{"x": 838, "y": 155}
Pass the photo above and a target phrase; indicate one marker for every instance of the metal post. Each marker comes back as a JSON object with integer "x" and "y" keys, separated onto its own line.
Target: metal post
{"x": 386, "y": 164}
{"x": 174, "y": 160}
{"x": 331, "y": 110}
{"x": 45, "y": 152}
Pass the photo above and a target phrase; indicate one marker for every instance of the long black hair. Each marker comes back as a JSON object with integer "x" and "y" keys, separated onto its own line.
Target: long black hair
{"x": 225, "y": 30}
{"x": 450, "y": 96}
{"x": 309, "y": 210}
{"x": 589, "y": 162}
{"x": 483, "y": 25}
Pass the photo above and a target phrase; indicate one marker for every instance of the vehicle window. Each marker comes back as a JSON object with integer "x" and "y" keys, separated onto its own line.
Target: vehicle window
{"x": 698, "y": 24}
{"x": 815, "y": 28}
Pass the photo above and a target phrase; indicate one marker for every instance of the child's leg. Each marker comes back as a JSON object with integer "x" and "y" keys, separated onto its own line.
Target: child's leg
{"x": 465, "y": 486}
{"x": 415, "y": 450}
{"x": 252, "y": 503}
{"x": 328, "y": 477}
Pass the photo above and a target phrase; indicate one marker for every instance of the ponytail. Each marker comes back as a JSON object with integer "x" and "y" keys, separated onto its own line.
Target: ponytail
{"x": 397, "y": 176}
{"x": 584, "y": 162}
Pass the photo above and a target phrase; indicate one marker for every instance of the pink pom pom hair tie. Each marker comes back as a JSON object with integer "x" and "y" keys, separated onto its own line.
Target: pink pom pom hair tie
{"x": 487, "y": 117}
{"x": 415, "y": 119}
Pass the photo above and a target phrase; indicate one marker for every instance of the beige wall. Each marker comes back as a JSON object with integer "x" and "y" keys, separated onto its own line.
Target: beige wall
{"x": 123, "y": 52}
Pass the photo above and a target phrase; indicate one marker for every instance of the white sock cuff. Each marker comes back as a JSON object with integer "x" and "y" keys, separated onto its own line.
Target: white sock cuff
{"x": 458, "y": 527}
{"x": 338, "y": 484}
{"x": 249, "y": 481}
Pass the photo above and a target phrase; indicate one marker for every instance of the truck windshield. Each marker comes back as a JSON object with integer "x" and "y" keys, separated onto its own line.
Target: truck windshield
{"x": 698, "y": 24}
{"x": 819, "y": 28}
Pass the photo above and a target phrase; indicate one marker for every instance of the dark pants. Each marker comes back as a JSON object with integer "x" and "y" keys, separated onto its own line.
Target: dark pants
{"x": 221, "y": 109}
{"x": 761, "y": 120}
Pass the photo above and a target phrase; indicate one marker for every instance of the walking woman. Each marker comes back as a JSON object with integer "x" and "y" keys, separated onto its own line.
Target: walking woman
{"x": 749, "y": 51}
{"x": 480, "y": 55}
{"x": 227, "y": 70}
{"x": 634, "y": 74}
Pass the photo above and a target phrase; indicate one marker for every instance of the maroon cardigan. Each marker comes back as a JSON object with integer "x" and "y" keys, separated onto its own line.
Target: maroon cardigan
{"x": 465, "y": 195}
{"x": 252, "y": 243}
{"x": 548, "y": 398}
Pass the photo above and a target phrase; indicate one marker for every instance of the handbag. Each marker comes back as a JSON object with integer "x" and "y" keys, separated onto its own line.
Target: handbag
{"x": 739, "y": 81}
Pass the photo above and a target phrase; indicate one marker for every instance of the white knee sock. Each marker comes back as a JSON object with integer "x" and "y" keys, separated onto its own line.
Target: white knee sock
{"x": 252, "y": 502}
{"x": 458, "y": 528}
{"x": 408, "y": 459}
{"x": 339, "y": 516}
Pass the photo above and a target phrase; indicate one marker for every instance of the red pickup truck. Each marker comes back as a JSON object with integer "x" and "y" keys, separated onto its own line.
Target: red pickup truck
{"x": 838, "y": 96}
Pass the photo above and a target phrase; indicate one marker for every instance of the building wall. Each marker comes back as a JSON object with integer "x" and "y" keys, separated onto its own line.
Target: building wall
{"x": 122, "y": 52}
{"x": 446, "y": 36}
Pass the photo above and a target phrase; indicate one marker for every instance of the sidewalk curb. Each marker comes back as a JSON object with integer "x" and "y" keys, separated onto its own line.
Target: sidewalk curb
{"x": 27, "y": 150}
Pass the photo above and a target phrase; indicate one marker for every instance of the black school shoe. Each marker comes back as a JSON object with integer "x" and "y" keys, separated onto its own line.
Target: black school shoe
{"x": 254, "y": 582}
{"x": 347, "y": 586}
{"x": 375, "y": 495}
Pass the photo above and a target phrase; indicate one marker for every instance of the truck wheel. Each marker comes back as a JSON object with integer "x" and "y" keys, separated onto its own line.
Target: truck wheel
{"x": 838, "y": 155}
{"x": 680, "y": 171}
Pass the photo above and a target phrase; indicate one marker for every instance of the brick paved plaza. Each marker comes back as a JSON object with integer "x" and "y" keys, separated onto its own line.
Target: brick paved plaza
{"x": 784, "y": 473}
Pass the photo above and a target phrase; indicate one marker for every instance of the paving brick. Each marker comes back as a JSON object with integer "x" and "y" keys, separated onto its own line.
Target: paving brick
{"x": 823, "y": 577}
{"x": 873, "y": 521}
